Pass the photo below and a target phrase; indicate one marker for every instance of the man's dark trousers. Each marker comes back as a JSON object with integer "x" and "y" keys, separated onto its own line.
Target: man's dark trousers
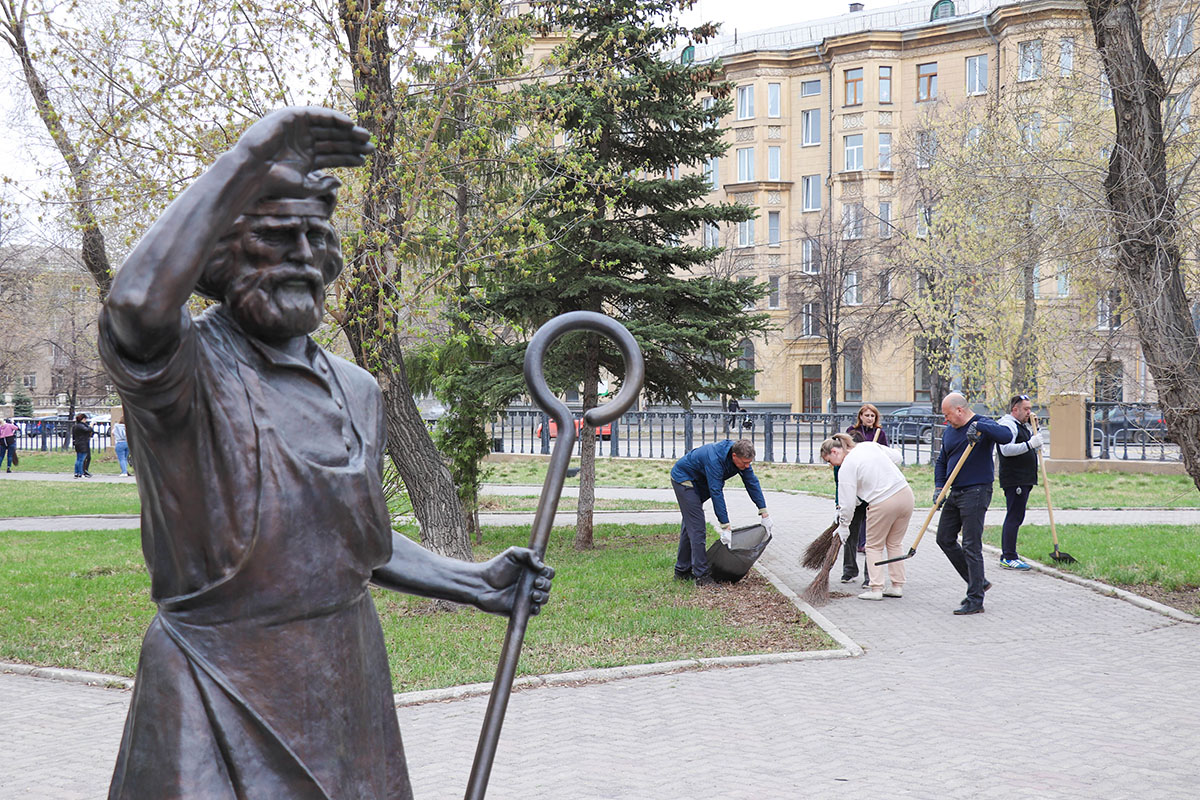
{"x": 1015, "y": 499}
{"x": 850, "y": 549}
{"x": 691, "y": 533}
{"x": 964, "y": 509}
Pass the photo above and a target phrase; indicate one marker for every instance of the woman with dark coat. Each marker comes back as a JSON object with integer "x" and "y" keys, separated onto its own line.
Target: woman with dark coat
{"x": 81, "y": 437}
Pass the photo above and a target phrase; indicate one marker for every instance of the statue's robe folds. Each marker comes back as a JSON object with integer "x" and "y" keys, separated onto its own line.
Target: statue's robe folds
{"x": 264, "y": 674}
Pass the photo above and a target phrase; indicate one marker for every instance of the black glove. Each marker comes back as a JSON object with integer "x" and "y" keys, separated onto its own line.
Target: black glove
{"x": 937, "y": 490}
{"x": 973, "y": 433}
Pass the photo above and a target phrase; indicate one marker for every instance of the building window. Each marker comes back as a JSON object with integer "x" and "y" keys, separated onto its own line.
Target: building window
{"x": 810, "y": 88}
{"x": 977, "y": 77}
{"x": 712, "y": 173}
{"x": 1109, "y": 381}
{"x": 854, "y": 152}
{"x": 773, "y": 289}
{"x": 810, "y": 126}
{"x": 774, "y": 101}
{"x": 1108, "y": 314}
{"x": 974, "y": 135}
{"x": 1031, "y": 130}
{"x": 927, "y": 81}
{"x": 746, "y": 233}
{"x": 885, "y": 220}
{"x": 885, "y": 152}
{"x": 773, "y": 228}
{"x": 1029, "y": 56}
{"x": 851, "y": 293}
{"x": 926, "y": 148}
{"x": 924, "y": 218}
{"x": 745, "y": 158}
{"x": 712, "y": 235}
{"x": 29, "y": 381}
{"x": 810, "y": 319}
{"x": 1066, "y": 57}
{"x": 852, "y": 371}
{"x": 1179, "y": 108}
{"x": 852, "y": 221}
{"x": 746, "y": 356}
{"x": 1105, "y": 91}
{"x": 774, "y": 155}
{"x": 745, "y": 102}
{"x": 885, "y": 84}
{"x": 1179, "y": 36}
{"x": 810, "y": 257}
{"x": 707, "y": 104}
{"x": 1064, "y": 280}
{"x": 921, "y": 376}
{"x": 812, "y": 192}
{"x": 941, "y": 10}
{"x": 1066, "y": 131}
{"x": 885, "y": 286}
{"x": 854, "y": 86}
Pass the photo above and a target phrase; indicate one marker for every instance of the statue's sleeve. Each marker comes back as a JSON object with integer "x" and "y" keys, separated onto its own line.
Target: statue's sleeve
{"x": 159, "y": 391}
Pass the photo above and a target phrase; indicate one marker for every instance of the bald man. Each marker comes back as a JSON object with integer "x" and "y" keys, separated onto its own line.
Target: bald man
{"x": 969, "y": 497}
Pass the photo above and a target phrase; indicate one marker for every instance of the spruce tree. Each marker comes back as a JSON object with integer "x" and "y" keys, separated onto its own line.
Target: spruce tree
{"x": 625, "y": 210}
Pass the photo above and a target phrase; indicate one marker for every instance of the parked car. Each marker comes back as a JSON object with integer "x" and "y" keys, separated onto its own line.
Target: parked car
{"x": 912, "y": 424}
{"x": 604, "y": 432}
{"x": 1128, "y": 425}
{"x": 54, "y": 425}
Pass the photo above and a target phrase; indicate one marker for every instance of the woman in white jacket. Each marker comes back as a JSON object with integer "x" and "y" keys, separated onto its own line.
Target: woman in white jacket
{"x": 868, "y": 472}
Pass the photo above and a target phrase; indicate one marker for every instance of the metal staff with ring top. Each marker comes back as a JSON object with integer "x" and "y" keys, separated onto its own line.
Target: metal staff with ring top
{"x": 543, "y": 520}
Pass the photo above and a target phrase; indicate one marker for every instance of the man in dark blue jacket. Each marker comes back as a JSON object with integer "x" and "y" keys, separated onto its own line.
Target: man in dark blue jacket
{"x": 970, "y": 494}
{"x": 696, "y": 477}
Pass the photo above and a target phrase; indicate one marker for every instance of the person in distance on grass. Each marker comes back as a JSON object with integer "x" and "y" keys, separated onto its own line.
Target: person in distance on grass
{"x": 1018, "y": 475}
{"x": 8, "y": 442}
{"x": 81, "y": 437}
{"x": 696, "y": 477}
{"x": 264, "y": 673}
{"x": 967, "y": 503}
{"x": 867, "y": 471}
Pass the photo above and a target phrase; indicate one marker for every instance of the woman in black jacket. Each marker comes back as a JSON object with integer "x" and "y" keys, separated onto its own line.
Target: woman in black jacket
{"x": 81, "y": 436}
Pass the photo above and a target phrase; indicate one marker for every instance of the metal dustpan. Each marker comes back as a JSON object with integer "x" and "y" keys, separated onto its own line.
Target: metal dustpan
{"x": 731, "y": 562}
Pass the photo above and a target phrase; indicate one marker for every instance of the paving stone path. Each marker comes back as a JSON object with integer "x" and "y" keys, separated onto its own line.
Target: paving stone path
{"x": 1057, "y": 691}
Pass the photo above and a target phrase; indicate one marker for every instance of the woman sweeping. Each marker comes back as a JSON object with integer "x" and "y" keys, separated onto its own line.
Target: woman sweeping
{"x": 867, "y": 472}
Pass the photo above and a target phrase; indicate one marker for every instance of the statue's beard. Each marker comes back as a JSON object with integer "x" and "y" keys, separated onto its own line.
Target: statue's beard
{"x": 278, "y": 303}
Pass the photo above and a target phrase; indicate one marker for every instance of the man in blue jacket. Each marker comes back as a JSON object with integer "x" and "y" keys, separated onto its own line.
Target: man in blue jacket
{"x": 970, "y": 495}
{"x": 697, "y": 476}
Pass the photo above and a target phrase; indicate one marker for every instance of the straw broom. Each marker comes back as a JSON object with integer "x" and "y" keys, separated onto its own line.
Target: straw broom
{"x": 817, "y": 592}
{"x": 816, "y": 552}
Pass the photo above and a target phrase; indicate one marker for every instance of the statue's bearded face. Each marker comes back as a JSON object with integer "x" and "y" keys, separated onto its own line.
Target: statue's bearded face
{"x": 278, "y": 289}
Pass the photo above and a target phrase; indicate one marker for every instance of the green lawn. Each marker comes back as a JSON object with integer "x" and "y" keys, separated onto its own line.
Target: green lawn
{"x": 104, "y": 462}
{"x": 81, "y": 599}
{"x": 58, "y": 498}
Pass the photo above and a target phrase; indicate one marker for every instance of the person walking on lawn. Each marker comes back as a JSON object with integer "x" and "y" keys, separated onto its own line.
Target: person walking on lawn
{"x": 696, "y": 477}
{"x": 969, "y": 497}
{"x": 1018, "y": 476}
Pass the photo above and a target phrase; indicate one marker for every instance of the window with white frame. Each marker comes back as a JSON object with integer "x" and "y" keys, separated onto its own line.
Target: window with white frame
{"x": 810, "y": 319}
{"x": 810, "y": 88}
{"x": 974, "y": 135}
{"x": 851, "y": 293}
{"x": 926, "y": 148}
{"x": 1179, "y": 108}
{"x": 885, "y": 151}
{"x": 745, "y": 161}
{"x": 1064, "y": 279}
{"x": 773, "y": 291}
{"x": 927, "y": 81}
{"x": 885, "y": 220}
{"x": 1179, "y": 36}
{"x": 854, "y": 152}
{"x": 1029, "y": 60}
{"x": 707, "y": 104}
{"x": 852, "y": 220}
{"x": 810, "y": 127}
{"x": 885, "y": 84}
{"x": 745, "y": 102}
{"x": 812, "y": 192}
{"x": 1108, "y": 314}
{"x": 810, "y": 257}
{"x": 773, "y": 228}
{"x": 1031, "y": 130}
{"x": 712, "y": 173}
{"x": 1066, "y": 57}
{"x": 774, "y": 167}
{"x": 29, "y": 380}
{"x": 746, "y": 233}
{"x": 774, "y": 100}
{"x": 977, "y": 74}
{"x": 924, "y": 220}
{"x": 1105, "y": 91}
{"x": 1066, "y": 133}
{"x": 711, "y": 234}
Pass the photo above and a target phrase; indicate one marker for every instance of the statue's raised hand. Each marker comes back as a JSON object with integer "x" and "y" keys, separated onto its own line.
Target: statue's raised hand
{"x": 297, "y": 141}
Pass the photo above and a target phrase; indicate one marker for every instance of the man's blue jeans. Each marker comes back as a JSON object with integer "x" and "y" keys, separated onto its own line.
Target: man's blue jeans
{"x": 963, "y": 510}
{"x": 9, "y": 450}
{"x": 692, "y": 532}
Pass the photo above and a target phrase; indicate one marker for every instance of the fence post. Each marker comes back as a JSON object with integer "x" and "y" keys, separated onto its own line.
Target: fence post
{"x": 687, "y": 431}
{"x": 769, "y": 436}
{"x": 545, "y": 428}
{"x": 614, "y": 438}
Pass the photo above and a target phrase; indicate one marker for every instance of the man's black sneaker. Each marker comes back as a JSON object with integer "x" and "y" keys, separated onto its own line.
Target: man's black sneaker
{"x": 705, "y": 580}
{"x": 968, "y": 608}
{"x": 686, "y": 575}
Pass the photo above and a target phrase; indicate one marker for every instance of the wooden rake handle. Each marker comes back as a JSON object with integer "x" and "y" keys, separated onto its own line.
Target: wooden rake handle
{"x": 912, "y": 551}
{"x": 1046, "y": 486}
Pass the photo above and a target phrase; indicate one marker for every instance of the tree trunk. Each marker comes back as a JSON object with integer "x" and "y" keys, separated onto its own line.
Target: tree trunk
{"x": 1145, "y": 224}
{"x": 1024, "y": 362}
{"x": 584, "y": 523}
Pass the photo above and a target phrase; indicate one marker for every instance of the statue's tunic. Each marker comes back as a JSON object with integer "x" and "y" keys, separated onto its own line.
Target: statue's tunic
{"x": 264, "y": 674}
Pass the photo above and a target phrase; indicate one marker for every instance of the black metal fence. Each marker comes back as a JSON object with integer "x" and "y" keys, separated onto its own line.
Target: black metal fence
{"x": 1133, "y": 431}
{"x": 54, "y": 433}
{"x": 782, "y": 438}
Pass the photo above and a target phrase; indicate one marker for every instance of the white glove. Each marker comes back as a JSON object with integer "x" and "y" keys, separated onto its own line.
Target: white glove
{"x": 726, "y": 534}
{"x": 843, "y": 532}
{"x": 1036, "y": 441}
{"x": 767, "y": 523}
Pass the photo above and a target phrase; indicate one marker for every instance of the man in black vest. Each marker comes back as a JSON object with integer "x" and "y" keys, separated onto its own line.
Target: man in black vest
{"x": 1018, "y": 475}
